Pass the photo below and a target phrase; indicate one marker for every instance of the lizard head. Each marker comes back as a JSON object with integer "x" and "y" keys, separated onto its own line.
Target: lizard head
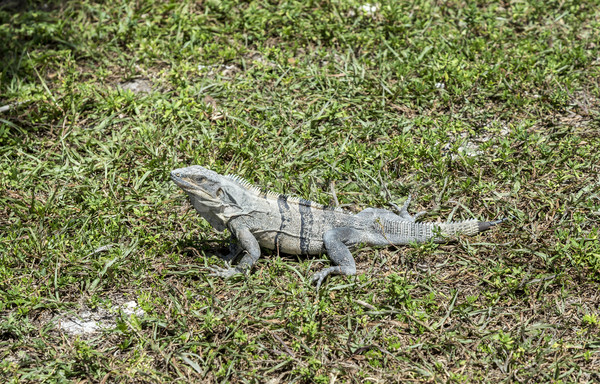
{"x": 200, "y": 182}
{"x": 213, "y": 195}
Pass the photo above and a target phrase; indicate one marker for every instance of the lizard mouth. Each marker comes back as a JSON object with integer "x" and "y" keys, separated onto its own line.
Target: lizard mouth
{"x": 188, "y": 186}
{"x": 183, "y": 183}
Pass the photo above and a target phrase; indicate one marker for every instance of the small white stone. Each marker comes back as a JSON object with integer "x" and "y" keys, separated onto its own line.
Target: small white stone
{"x": 75, "y": 327}
{"x": 470, "y": 149}
{"x": 368, "y": 9}
{"x": 131, "y": 308}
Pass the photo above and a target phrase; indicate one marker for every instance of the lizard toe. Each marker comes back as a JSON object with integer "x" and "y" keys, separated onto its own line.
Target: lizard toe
{"x": 223, "y": 272}
{"x": 318, "y": 278}
{"x": 403, "y": 211}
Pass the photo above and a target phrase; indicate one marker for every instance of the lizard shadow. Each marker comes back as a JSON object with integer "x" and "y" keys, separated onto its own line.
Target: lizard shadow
{"x": 201, "y": 248}
{"x": 204, "y": 249}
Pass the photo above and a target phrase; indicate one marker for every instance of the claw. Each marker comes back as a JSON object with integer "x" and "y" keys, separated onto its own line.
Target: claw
{"x": 403, "y": 211}
{"x": 318, "y": 278}
{"x": 396, "y": 207}
{"x": 406, "y": 203}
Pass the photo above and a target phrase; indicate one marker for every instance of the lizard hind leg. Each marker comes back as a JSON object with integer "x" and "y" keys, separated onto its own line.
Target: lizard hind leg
{"x": 403, "y": 211}
{"x": 336, "y": 242}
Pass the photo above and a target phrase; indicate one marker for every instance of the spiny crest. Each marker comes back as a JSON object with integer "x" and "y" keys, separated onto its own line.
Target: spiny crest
{"x": 241, "y": 181}
{"x": 273, "y": 195}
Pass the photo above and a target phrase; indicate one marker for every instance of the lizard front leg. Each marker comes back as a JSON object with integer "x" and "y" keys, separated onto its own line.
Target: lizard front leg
{"x": 234, "y": 251}
{"x": 248, "y": 244}
{"x": 336, "y": 242}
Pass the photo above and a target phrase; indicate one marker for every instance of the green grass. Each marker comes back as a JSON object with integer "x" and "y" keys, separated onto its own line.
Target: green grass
{"x": 478, "y": 109}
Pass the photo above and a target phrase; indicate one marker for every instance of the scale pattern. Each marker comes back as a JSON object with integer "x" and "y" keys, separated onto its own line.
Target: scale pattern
{"x": 259, "y": 218}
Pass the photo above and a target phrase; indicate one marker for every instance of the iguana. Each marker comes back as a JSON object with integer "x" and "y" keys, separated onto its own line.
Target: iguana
{"x": 257, "y": 218}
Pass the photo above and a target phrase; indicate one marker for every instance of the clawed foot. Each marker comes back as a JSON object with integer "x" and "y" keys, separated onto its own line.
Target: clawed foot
{"x": 224, "y": 272}
{"x": 319, "y": 277}
{"x": 403, "y": 211}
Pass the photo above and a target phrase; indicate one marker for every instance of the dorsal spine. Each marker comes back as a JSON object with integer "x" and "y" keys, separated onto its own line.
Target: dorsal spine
{"x": 266, "y": 194}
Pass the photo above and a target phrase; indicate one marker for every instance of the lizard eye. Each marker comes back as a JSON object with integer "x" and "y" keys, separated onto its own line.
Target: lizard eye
{"x": 201, "y": 179}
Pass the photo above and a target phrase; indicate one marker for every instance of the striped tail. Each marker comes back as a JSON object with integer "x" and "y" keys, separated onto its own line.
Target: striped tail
{"x": 468, "y": 227}
{"x": 485, "y": 225}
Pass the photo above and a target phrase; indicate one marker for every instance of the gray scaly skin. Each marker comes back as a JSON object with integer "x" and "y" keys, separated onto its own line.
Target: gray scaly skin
{"x": 296, "y": 226}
